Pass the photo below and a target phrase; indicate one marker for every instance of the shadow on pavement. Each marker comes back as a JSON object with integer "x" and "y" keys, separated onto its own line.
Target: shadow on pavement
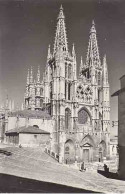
{"x": 14, "y": 184}
{"x": 110, "y": 175}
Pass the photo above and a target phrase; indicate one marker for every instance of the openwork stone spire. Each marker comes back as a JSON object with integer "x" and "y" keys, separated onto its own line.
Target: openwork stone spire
{"x": 105, "y": 72}
{"x": 73, "y": 50}
{"x": 60, "y": 38}
{"x": 31, "y": 76}
{"x": 81, "y": 67}
{"x": 93, "y": 51}
{"x": 49, "y": 53}
{"x": 38, "y": 75}
{"x": 28, "y": 77}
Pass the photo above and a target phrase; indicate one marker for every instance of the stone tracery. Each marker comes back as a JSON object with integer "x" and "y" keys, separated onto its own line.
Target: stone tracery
{"x": 84, "y": 94}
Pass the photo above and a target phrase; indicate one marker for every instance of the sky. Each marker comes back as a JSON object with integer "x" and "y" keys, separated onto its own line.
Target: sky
{"x": 27, "y": 27}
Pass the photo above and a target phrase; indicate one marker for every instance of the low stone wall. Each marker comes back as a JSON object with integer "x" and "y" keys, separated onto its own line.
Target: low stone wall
{"x": 52, "y": 154}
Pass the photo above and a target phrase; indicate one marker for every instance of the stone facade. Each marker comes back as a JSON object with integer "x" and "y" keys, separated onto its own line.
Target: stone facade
{"x": 79, "y": 105}
{"x": 121, "y": 127}
{"x": 114, "y": 147}
{"x": 75, "y": 109}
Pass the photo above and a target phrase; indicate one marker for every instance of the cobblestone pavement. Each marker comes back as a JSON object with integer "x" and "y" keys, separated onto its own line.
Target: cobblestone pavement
{"x": 33, "y": 163}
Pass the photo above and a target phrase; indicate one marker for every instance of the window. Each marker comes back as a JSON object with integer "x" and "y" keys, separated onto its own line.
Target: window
{"x": 99, "y": 95}
{"x": 113, "y": 148}
{"x": 65, "y": 89}
{"x": 69, "y": 71}
{"x": 67, "y": 149}
{"x": 69, "y": 87}
{"x": 83, "y": 116}
{"x": 67, "y": 118}
{"x": 41, "y": 102}
{"x": 99, "y": 78}
{"x": 51, "y": 90}
{"x": 35, "y": 136}
{"x": 65, "y": 70}
{"x": 41, "y": 91}
{"x": 35, "y": 91}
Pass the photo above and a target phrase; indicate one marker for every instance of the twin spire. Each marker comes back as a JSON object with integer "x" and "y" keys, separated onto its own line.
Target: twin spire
{"x": 30, "y": 76}
{"x": 93, "y": 58}
{"x": 61, "y": 37}
{"x": 61, "y": 44}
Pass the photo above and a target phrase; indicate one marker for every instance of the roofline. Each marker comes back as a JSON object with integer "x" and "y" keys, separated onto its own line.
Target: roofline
{"x": 18, "y": 132}
{"x": 122, "y": 76}
{"x": 34, "y": 132}
{"x": 118, "y": 92}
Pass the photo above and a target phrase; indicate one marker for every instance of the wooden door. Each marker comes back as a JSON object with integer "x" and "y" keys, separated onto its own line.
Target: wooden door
{"x": 86, "y": 155}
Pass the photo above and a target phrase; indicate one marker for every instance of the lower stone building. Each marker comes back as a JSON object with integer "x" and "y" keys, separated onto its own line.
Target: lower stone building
{"x": 121, "y": 127}
{"x": 113, "y": 147}
{"x": 30, "y": 136}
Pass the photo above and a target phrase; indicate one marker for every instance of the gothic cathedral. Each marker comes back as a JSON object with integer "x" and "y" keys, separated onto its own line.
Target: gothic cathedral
{"x": 79, "y": 105}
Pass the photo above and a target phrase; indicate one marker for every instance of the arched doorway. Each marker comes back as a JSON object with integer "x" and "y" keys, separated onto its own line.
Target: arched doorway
{"x": 102, "y": 150}
{"x": 69, "y": 152}
{"x": 67, "y": 119}
{"x": 87, "y": 145}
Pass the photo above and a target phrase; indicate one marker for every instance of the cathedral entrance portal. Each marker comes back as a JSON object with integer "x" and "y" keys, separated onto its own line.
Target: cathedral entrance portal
{"x": 86, "y": 155}
{"x": 102, "y": 150}
{"x": 69, "y": 152}
{"x": 87, "y": 146}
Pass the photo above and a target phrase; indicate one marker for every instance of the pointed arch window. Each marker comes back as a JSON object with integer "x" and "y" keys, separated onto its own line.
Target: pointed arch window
{"x": 41, "y": 102}
{"x": 69, "y": 91}
{"x": 65, "y": 70}
{"x": 67, "y": 118}
{"x": 99, "y": 95}
{"x": 51, "y": 90}
{"x": 69, "y": 71}
{"x": 83, "y": 116}
{"x": 65, "y": 89}
{"x": 41, "y": 91}
{"x": 99, "y": 78}
{"x": 35, "y": 91}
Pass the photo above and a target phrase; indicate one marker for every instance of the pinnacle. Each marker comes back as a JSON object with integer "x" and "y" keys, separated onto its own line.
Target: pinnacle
{"x": 73, "y": 49}
{"x": 31, "y": 75}
{"x": 81, "y": 65}
{"x": 28, "y": 77}
{"x": 93, "y": 30}
{"x": 105, "y": 56}
{"x": 61, "y": 15}
{"x": 104, "y": 61}
{"x": 93, "y": 22}
{"x": 38, "y": 74}
{"x": 61, "y": 7}
{"x": 49, "y": 54}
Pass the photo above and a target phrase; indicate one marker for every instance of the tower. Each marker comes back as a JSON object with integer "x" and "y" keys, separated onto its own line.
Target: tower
{"x": 33, "y": 99}
{"x": 61, "y": 73}
{"x": 105, "y": 101}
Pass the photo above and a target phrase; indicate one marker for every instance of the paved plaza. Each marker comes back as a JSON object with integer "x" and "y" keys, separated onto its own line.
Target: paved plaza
{"x": 33, "y": 163}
